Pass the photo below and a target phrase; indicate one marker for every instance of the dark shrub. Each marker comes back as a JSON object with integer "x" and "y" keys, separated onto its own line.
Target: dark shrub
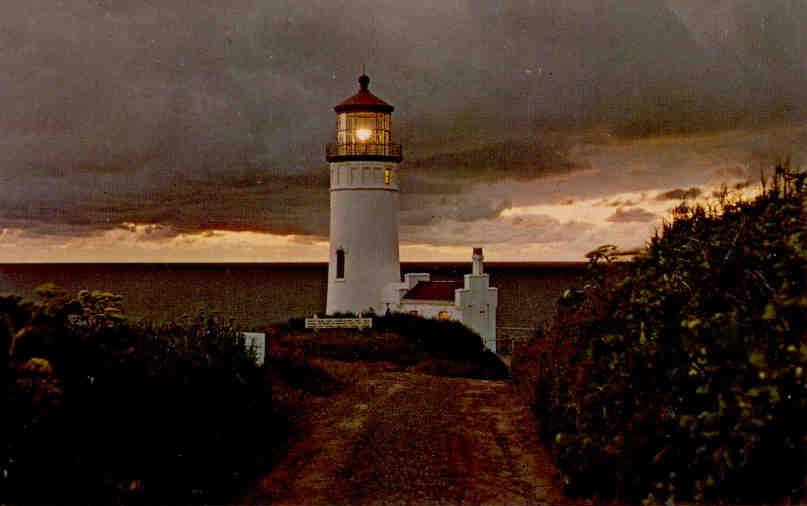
{"x": 438, "y": 337}
{"x": 451, "y": 348}
{"x": 446, "y": 340}
{"x": 680, "y": 374}
{"x": 101, "y": 410}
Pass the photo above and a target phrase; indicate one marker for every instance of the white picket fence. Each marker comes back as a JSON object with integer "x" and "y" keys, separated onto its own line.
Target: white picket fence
{"x": 317, "y": 323}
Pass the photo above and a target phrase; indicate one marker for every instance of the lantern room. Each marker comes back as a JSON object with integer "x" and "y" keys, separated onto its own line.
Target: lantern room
{"x": 363, "y": 126}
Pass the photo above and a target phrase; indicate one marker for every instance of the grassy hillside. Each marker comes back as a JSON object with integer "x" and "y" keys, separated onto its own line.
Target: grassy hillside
{"x": 681, "y": 374}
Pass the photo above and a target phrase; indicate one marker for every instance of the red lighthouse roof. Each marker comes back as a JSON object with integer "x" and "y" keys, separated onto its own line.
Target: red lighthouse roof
{"x": 434, "y": 290}
{"x": 363, "y": 100}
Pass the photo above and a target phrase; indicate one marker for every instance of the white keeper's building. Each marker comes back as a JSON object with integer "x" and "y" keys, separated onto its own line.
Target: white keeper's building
{"x": 471, "y": 301}
{"x": 364, "y": 272}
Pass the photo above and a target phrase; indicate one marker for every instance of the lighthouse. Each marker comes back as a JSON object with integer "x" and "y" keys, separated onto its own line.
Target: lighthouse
{"x": 364, "y": 190}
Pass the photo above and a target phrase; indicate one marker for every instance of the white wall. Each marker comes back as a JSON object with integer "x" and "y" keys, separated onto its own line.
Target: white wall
{"x": 478, "y": 302}
{"x": 429, "y": 309}
{"x": 474, "y": 305}
{"x": 364, "y": 223}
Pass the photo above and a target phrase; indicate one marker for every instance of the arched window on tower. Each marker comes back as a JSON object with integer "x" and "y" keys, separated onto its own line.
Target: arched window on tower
{"x": 340, "y": 264}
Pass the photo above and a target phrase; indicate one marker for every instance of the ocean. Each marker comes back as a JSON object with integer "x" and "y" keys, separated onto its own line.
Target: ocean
{"x": 257, "y": 295}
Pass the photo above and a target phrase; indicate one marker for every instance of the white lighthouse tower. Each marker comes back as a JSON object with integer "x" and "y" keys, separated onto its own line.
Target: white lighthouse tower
{"x": 364, "y": 204}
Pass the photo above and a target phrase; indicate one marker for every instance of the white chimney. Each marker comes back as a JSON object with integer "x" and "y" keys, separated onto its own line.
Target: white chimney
{"x": 477, "y": 257}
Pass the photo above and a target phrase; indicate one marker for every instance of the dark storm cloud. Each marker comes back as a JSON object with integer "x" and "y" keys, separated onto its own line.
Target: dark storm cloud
{"x": 679, "y": 194}
{"x": 160, "y": 112}
{"x": 429, "y": 209}
{"x": 517, "y": 158}
{"x": 296, "y": 204}
{"x": 292, "y": 204}
{"x": 633, "y": 214}
{"x": 515, "y": 230}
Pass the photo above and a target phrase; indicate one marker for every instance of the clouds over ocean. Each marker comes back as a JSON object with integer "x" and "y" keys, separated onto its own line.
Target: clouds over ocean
{"x": 185, "y": 118}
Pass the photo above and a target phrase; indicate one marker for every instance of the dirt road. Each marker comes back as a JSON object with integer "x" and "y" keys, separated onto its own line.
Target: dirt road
{"x": 401, "y": 438}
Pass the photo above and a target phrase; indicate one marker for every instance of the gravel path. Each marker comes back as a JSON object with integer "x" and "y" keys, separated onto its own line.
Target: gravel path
{"x": 400, "y": 438}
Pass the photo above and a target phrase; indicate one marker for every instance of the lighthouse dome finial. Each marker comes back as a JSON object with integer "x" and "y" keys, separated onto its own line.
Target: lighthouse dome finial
{"x": 364, "y": 100}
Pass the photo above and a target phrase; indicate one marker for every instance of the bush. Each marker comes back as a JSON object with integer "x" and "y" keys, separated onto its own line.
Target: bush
{"x": 444, "y": 338}
{"x": 101, "y": 410}
{"x": 680, "y": 374}
{"x": 407, "y": 340}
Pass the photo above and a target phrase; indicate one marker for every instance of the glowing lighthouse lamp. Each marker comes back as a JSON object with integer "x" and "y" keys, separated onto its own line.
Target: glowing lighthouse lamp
{"x": 363, "y": 134}
{"x": 364, "y": 161}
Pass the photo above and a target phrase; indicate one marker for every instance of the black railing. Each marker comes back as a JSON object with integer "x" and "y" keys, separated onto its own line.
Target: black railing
{"x": 336, "y": 152}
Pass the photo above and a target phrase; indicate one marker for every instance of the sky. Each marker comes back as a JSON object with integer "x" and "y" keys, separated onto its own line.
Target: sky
{"x": 194, "y": 130}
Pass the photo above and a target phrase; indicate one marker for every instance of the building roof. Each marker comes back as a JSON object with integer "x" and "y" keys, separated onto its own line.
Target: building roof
{"x": 363, "y": 100}
{"x": 433, "y": 290}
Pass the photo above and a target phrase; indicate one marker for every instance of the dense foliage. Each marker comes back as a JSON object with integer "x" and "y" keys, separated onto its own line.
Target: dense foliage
{"x": 100, "y": 410}
{"x": 681, "y": 373}
{"x": 441, "y": 347}
{"x": 445, "y": 338}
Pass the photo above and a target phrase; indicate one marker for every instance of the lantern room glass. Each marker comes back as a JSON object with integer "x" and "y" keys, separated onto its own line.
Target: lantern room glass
{"x": 363, "y": 128}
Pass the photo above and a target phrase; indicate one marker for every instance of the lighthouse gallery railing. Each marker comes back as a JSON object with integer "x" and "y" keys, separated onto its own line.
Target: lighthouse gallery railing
{"x": 390, "y": 150}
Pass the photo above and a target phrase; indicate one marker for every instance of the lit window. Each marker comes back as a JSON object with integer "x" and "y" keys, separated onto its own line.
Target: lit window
{"x": 444, "y": 315}
{"x": 387, "y": 176}
{"x": 340, "y": 264}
